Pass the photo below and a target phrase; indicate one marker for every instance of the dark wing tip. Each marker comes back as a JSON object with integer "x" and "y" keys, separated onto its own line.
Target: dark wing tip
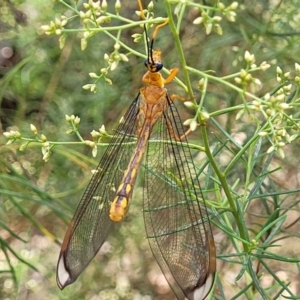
{"x": 63, "y": 277}
{"x": 201, "y": 292}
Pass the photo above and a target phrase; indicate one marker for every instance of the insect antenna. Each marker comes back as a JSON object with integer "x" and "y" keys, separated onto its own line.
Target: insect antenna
{"x": 149, "y": 63}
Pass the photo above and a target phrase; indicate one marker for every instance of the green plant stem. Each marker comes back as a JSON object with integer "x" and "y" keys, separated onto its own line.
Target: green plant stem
{"x": 115, "y": 28}
{"x": 74, "y": 127}
{"x": 237, "y": 157}
{"x": 34, "y": 142}
{"x": 221, "y": 176}
{"x": 69, "y": 6}
{"x": 220, "y": 80}
{"x": 177, "y": 41}
{"x": 224, "y": 184}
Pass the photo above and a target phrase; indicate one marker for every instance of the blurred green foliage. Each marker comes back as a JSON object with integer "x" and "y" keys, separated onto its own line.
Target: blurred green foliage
{"x": 41, "y": 83}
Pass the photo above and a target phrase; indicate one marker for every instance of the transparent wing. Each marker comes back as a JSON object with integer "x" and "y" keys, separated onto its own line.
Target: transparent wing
{"x": 91, "y": 223}
{"x": 176, "y": 218}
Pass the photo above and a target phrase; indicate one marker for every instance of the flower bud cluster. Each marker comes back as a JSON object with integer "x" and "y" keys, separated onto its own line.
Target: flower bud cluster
{"x": 97, "y": 137}
{"x": 46, "y": 146}
{"x": 56, "y": 26}
{"x": 245, "y": 77}
{"x": 115, "y": 57}
{"x": 281, "y": 77}
{"x": 229, "y": 11}
{"x": 14, "y": 135}
{"x": 93, "y": 14}
{"x": 273, "y": 108}
{"x": 297, "y": 77}
{"x": 212, "y": 23}
{"x": 279, "y": 127}
{"x": 74, "y": 121}
{"x": 112, "y": 60}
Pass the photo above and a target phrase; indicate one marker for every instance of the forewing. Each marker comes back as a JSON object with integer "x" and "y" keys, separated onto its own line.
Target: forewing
{"x": 91, "y": 224}
{"x": 176, "y": 218}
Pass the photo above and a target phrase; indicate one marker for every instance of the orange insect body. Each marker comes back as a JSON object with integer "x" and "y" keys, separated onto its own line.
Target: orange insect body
{"x": 153, "y": 102}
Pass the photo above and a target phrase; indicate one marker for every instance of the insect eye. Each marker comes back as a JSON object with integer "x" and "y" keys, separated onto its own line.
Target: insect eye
{"x": 153, "y": 67}
{"x": 159, "y": 66}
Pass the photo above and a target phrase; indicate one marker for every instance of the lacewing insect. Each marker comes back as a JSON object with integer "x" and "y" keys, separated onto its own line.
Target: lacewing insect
{"x": 176, "y": 218}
